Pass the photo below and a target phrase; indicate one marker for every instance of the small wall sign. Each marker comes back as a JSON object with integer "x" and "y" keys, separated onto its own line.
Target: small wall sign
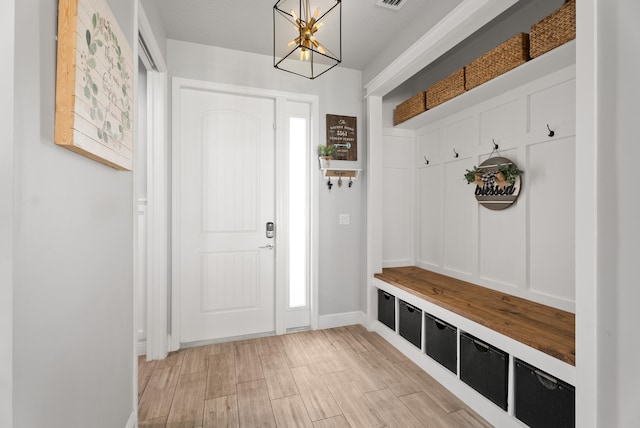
{"x": 342, "y": 133}
{"x": 498, "y": 182}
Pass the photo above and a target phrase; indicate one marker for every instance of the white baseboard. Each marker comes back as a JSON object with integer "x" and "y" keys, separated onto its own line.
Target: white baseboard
{"x": 339, "y": 320}
{"x": 141, "y": 348}
{"x": 132, "y": 422}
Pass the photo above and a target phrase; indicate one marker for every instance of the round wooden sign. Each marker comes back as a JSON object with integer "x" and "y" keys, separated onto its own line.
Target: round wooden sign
{"x": 496, "y": 193}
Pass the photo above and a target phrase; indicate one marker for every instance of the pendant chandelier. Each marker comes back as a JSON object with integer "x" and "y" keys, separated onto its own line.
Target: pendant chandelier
{"x": 307, "y": 36}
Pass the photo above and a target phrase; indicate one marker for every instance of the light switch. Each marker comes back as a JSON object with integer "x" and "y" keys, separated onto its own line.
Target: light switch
{"x": 345, "y": 219}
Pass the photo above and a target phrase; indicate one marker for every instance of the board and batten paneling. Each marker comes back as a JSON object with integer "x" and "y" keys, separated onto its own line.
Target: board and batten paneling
{"x": 527, "y": 249}
{"x": 429, "y": 250}
{"x": 551, "y": 205}
{"x": 502, "y": 121}
{"x": 500, "y": 237}
{"x": 459, "y": 237}
{"x": 397, "y": 203}
{"x": 554, "y": 106}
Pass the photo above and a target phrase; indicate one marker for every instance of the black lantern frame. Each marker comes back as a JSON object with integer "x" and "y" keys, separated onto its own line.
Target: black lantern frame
{"x": 291, "y": 53}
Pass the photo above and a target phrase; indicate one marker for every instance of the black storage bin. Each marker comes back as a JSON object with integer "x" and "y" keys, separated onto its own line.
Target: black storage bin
{"x": 387, "y": 309}
{"x": 542, "y": 401}
{"x": 441, "y": 342}
{"x": 484, "y": 368}
{"x": 410, "y": 323}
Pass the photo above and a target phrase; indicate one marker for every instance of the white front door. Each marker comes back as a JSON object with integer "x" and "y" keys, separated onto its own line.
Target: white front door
{"x": 225, "y": 262}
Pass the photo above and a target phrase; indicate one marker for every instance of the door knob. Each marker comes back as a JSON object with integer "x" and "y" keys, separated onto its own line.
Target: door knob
{"x": 268, "y": 247}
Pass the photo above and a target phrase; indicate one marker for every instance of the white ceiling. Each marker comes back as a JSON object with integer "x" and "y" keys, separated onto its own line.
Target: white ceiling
{"x": 247, "y": 25}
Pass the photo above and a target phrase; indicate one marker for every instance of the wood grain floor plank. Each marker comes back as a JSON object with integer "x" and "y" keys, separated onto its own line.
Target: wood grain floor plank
{"x": 222, "y": 348}
{"x": 173, "y": 359}
{"x": 357, "y": 344}
{"x": 445, "y": 399}
{"x": 331, "y": 362}
{"x": 254, "y": 406}
{"x": 385, "y": 348}
{"x": 364, "y": 377}
{"x": 426, "y": 409}
{"x": 310, "y": 334}
{"x": 356, "y": 329}
{"x": 315, "y": 394}
{"x": 374, "y": 388}
{"x": 195, "y": 360}
{"x": 394, "y": 413}
{"x": 334, "y": 422}
{"x": 187, "y": 407}
{"x": 154, "y": 423}
{"x": 294, "y": 351}
{"x": 389, "y": 373}
{"x": 156, "y": 400}
{"x": 317, "y": 347}
{"x": 466, "y": 418}
{"x": 221, "y": 412}
{"x": 338, "y": 338}
{"x": 354, "y": 405}
{"x": 269, "y": 345}
{"x": 248, "y": 367}
{"x": 145, "y": 368}
{"x": 221, "y": 378}
{"x": 291, "y": 413}
{"x": 279, "y": 380}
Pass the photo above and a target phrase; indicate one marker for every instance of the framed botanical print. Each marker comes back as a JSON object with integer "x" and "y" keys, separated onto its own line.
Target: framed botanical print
{"x": 94, "y": 84}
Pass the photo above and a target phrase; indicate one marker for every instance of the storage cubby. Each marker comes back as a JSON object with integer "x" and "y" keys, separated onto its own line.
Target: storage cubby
{"x": 541, "y": 400}
{"x": 387, "y": 309}
{"x": 485, "y": 368}
{"x": 441, "y": 342}
{"x": 410, "y": 323}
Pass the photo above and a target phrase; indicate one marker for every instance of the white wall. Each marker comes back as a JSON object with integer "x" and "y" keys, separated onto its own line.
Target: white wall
{"x": 153, "y": 16}
{"x": 7, "y": 20}
{"x": 608, "y": 201}
{"x": 342, "y": 248}
{"x": 412, "y": 31}
{"x": 73, "y": 251}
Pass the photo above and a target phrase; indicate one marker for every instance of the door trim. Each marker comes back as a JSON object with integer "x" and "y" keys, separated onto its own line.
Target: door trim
{"x": 178, "y": 84}
{"x": 157, "y": 222}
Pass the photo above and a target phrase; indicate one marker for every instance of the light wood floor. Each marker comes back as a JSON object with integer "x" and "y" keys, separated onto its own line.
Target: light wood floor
{"x": 340, "y": 377}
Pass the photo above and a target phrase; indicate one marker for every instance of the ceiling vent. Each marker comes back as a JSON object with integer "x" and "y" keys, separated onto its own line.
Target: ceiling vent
{"x": 391, "y": 4}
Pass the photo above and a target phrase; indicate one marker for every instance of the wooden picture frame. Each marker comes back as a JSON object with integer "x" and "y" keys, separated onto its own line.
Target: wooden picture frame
{"x": 94, "y": 84}
{"x": 342, "y": 133}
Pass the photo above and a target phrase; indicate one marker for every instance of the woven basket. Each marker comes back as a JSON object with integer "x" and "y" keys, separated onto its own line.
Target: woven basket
{"x": 447, "y": 88}
{"x": 555, "y": 30}
{"x": 499, "y": 60}
{"x": 409, "y": 108}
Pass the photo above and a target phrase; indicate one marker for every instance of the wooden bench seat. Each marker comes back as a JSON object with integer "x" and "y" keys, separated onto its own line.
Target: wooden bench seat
{"x": 544, "y": 328}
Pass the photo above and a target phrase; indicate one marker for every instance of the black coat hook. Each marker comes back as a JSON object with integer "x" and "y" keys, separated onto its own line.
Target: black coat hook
{"x": 495, "y": 146}
{"x": 455, "y": 154}
{"x": 426, "y": 161}
{"x": 551, "y": 133}
{"x": 329, "y": 184}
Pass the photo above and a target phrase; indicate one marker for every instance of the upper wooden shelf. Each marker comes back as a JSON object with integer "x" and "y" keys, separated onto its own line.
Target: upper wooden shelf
{"x": 541, "y": 327}
{"x": 557, "y": 59}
